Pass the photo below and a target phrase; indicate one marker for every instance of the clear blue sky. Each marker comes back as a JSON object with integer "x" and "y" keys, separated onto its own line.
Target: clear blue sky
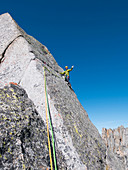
{"x": 91, "y": 35}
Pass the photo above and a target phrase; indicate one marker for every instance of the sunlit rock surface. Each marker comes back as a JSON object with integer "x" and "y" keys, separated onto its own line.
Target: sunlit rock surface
{"x": 23, "y": 132}
{"x": 116, "y": 141}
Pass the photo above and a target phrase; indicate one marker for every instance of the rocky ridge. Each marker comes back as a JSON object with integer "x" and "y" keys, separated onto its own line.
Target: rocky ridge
{"x": 116, "y": 140}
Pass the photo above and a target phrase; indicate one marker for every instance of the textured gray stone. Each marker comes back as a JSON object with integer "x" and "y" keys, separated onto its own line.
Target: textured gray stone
{"x": 16, "y": 61}
{"x": 23, "y": 137}
{"x": 8, "y": 32}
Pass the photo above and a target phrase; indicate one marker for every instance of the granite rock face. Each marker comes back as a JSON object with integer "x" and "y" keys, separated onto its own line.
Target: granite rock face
{"x": 116, "y": 141}
{"x": 23, "y": 136}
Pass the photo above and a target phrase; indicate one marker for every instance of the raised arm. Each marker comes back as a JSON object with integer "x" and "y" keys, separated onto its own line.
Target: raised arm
{"x": 70, "y": 69}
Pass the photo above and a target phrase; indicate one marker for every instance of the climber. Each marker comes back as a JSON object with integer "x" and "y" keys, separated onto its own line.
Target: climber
{"x": 66, "y": 73}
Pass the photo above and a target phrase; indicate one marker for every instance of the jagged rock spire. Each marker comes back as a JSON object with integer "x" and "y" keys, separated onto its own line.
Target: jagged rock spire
{"x": 116, "y": 141}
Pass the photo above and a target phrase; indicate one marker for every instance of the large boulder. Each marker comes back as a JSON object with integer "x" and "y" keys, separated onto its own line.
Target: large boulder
{"x": 23, "y": 136}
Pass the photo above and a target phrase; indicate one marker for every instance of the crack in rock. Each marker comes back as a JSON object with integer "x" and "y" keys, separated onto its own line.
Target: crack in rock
{"x": 3, "y": 54}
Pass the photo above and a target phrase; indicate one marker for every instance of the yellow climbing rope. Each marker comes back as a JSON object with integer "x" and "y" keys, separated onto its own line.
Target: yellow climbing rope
{"x": 47, "y": 124}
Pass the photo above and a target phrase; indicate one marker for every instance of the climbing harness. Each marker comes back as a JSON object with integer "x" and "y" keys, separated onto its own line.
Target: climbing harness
{"x": 50, "y": 122}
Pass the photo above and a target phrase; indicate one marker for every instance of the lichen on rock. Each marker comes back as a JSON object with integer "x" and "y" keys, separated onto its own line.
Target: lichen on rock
{"x": 23, "y": 137}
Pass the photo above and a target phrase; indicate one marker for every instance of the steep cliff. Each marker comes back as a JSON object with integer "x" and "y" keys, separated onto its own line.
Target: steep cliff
{"x": 116, "y": 141}
{"x": 23, "y": 121}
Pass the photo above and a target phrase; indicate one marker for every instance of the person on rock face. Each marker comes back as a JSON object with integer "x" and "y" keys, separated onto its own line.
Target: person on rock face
{"x": 66, "y": 73}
